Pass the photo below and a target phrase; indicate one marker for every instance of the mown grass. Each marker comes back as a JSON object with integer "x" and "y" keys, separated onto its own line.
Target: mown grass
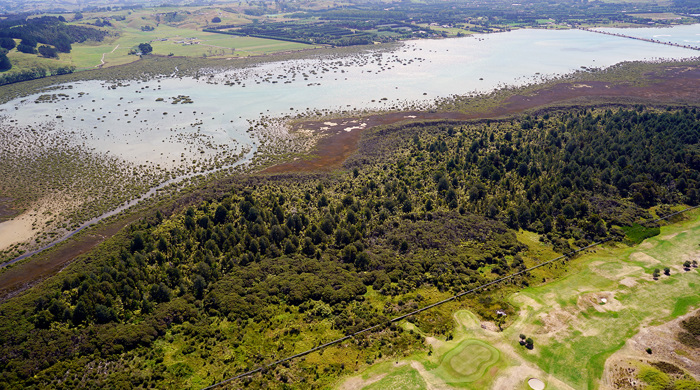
{"x": 592, "y": 333}
{"x": 467, "y": 362}
{"x": 576, "y": 351}
{"x": 403, "y": 377}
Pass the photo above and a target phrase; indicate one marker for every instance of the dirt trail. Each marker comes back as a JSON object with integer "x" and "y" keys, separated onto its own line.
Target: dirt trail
{"x": 102, "y": 60}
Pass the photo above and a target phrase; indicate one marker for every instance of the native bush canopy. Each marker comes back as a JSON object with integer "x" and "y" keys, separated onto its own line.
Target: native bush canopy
{"x": 49, "y": 30}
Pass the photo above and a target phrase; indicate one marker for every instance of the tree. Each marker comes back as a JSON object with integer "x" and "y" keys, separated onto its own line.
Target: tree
{"x": 80, "y": 313}
{"x": 48, "y": 51}
{"x": 77, "y": 16}
{"x": 308, "y": 247}
{"x": 29, "y": 41}
{"x": 104, "y": 314}
{"x": 199, "y": 286}
{"x": 160, "y": 293}
{"x": 529, "y": 343}
{"x": 216, "y": 19}
{"x": 145, "y": 48}
{"x": 220, "y": 214}
{"x": 5, "y": 63}
{"x": 138, "y": 242}
{"x": 7, "y": 43}
{"x": 26, "y": 49}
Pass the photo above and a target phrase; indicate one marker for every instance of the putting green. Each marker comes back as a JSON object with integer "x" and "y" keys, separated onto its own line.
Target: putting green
{"x": 467, "y": 362}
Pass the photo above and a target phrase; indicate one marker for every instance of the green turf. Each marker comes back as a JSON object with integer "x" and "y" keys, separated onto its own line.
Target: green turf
{"x": 403, "y": 377}
{"x": 574, "y": 332}
{"x": 590, "y": 333}
{"x": 684, "y": 303}
{"x": 467, "y": 362}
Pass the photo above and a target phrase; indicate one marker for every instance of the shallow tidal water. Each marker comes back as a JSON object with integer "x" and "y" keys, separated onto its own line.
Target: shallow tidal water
{"x": 219, "y": 115}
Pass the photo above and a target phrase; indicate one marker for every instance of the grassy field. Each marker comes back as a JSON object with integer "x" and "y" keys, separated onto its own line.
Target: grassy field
{"x": 576, "y": 322}
{"x": 573, "y": 328}
{"x": 658, "y": 16}
{"x": 182, "y": 37}
{"x": 167, "y": 40}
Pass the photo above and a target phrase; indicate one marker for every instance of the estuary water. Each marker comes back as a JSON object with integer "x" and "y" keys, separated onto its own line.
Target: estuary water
{"x": 185, "y": 125}
{"x": 175, "y": 121}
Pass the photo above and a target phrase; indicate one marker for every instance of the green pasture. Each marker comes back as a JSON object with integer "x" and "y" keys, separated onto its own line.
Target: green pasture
{"x": 27, "y": 61}
{"x": 167, "y": 40}
{"x": 658, "y": 15}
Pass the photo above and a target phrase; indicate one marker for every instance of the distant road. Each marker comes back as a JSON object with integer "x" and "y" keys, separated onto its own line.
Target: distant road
{"x": 642, "y": 39}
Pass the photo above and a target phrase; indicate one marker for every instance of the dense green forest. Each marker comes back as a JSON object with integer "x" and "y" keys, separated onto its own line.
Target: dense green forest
{"x": 274, "y": 265}
{"x": 49, "y": 30}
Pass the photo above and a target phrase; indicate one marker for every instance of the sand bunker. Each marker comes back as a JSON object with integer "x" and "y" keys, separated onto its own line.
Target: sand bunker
{"x": 535, "y": 384}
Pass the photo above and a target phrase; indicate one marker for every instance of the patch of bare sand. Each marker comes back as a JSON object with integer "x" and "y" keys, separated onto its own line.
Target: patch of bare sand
{"x": 489, "y": 326}
{"x": 30, "y": 224}
{"x": 668, "y": 236}
{"x": 643, "y": 258}
{"x": 358, "y": 383}
{"x": 436, "y": 343}
{"x": 513, "y": 377}
{"x": 629, "y": 281}
{"x": 17, "y": 230}
{"x": 620, "y": 369}
{"x": 555, "y": 321}
{"x": 601, "y": 301}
